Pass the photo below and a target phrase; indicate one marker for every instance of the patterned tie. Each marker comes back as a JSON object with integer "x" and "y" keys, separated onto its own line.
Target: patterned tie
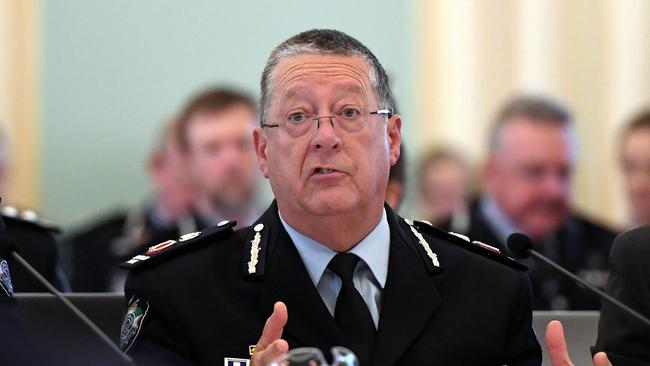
{"x": 351, "y": 312}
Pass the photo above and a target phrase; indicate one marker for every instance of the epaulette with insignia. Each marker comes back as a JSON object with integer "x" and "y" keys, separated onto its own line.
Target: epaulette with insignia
{"x": 427, "y": 254}
{"x": 29, "y": 217}
{"x": 165, "y": 249}
{"x": 255, "y": 254}
{"x": 465, "y": 242}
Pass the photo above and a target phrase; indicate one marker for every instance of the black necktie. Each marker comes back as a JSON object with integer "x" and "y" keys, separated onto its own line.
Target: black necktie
{"x": 351, "y": 312}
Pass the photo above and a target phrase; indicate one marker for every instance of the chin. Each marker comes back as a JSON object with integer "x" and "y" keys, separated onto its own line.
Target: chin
{"x": 331, "y": 205}
{"x": 539, "y": 231}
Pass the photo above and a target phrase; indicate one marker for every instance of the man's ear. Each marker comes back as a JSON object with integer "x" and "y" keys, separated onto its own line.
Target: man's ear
{"x": 259, "y": 139}
{"x": 394, "y": 132}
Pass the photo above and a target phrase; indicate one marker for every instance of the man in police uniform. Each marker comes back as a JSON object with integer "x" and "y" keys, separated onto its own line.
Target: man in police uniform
{"x": 16, "y": 347}
{"x": 527, "y": 189}
{"x": 328, "y": 263}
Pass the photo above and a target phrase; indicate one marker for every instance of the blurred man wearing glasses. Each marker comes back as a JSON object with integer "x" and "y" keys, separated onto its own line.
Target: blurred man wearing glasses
{"x": 329, "y": 263}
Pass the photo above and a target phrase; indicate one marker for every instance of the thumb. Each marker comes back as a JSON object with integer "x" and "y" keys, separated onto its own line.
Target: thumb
{"x": 274, "y": 325}
{"x": 556, "y": 345}
{"x": 601, "y": 359}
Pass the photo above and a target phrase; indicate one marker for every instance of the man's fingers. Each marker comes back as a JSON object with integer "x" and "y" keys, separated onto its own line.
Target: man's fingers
{"x": 273, "y": 351}
{"x": 600, "y": 359}
{"x": 556, "y": 345}
{"x": 274, "y": 326}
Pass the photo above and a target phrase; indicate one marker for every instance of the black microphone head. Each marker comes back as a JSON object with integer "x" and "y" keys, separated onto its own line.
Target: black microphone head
{"x": 520, "y": 245}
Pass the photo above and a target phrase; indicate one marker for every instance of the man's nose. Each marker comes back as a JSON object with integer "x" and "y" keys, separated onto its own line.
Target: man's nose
{"x": 555, "y": 185}
{"x": 231, "y": 156}
{"x": 327, "y": 136}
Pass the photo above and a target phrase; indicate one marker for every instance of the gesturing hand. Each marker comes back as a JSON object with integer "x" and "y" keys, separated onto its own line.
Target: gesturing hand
{"x": 271, "y": 345}
{"x": 557, "y": 350}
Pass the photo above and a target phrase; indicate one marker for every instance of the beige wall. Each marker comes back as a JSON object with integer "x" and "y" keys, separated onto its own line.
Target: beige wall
{"x": 19, "y": 99}
{"x": 594, "y": 55}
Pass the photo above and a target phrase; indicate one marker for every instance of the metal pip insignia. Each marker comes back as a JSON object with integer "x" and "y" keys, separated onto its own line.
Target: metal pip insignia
{"x": 189, "y": 236}
{"x": 5, "y": 280}
{"x": 255, "y": 249}
{"x": 425, "y": 245}
{"x": 231, "y": 361}
{"x": 133, "y": 321}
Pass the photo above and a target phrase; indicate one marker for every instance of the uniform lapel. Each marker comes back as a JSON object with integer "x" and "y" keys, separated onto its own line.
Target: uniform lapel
{"x": 310, "y": 323}
{"x": 409, "y": 299}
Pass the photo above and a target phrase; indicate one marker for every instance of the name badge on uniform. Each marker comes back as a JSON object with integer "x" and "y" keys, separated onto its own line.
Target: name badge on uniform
{"x": 230, "y": 361}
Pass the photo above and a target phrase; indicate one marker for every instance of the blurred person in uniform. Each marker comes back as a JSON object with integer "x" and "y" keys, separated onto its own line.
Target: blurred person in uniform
{"x": 17, "y": 347}
{"x": 527, "y": 189}
{"x": 329, "y": 263}
{"x": 634, "y": 158}
{"x": 625, "y": 339}
{"x": 444, "y": 188}
{"x": 214, "y": 136}
{"x": 99, "y": 247}
{"x": 33, "y": 235}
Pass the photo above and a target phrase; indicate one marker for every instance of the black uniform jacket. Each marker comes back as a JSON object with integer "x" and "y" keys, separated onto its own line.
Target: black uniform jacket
{"x": 101, "y": 246}
{"x": 202, "y": 305}
{"x": 627, "y": 341}
{"x": 580, "y": 245}
{"x": 35, "y": 243}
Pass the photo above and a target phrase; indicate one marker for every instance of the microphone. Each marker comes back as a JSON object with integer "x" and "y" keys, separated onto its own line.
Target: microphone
{"x": 522, "y": 247}
{"x": 9, "y": 249}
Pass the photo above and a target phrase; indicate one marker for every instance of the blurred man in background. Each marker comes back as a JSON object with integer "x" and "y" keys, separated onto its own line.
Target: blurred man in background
{"x": 527, "y": 189}
{"x": 214, "y": 134}
{"x": 635, "y": 163}
{"x": 444, "y": 185}
{"x": 203, "y": 171}
{"x": 98, "y": 249}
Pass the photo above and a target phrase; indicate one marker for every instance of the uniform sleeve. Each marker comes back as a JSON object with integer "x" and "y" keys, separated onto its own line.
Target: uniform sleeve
{"x": 150, "y": 331}
{"x": 523, "y": 347}
{"x": 619, "y": 335}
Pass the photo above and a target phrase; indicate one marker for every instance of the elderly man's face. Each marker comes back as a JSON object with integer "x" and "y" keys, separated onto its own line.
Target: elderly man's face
{"x": 530, "y": 175}
{"x": 328, "y": 170}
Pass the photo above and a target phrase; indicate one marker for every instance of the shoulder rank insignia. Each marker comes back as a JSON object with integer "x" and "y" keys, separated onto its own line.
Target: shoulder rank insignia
{"x": 133, "y": 322}
{"x": 29, "y": 217}
{"x": 424, "y": 244}
{"x": 6, "y": 287}
{"x": 473, "y": 246}
{"x": 255, "y": 252}
{"x": 168, "y": 247}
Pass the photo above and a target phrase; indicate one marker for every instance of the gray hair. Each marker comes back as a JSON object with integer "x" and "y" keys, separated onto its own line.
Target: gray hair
{"x": 535, "y": 109}
{"x": 324, "y": 42}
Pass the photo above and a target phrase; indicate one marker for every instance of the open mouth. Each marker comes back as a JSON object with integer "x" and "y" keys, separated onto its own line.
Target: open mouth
{"x": 324, "y": 171}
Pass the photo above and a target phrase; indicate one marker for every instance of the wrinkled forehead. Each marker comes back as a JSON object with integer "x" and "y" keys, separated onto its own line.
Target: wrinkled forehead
{"x": 300, "y": 76}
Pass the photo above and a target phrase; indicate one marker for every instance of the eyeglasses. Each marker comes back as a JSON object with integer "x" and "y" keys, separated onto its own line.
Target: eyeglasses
{"x": 350, "y": 119}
